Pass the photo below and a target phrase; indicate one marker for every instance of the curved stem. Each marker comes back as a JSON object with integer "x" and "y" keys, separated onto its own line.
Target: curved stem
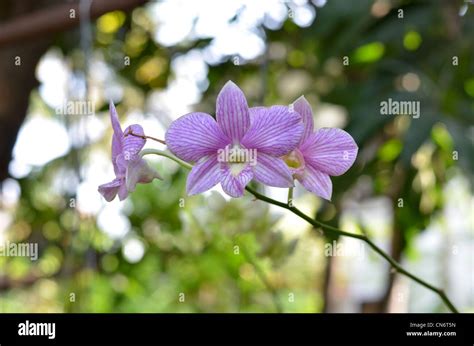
{"x": 166, "y": 154}
{"x": 334, "y": 230}
{"x": 130, "y": 132}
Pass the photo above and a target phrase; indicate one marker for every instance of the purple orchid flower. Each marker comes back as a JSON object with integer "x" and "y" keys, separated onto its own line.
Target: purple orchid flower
{"x": 321, "y": 154}
{"x": 129, "y": 167}
{"x": 233, "y": 149}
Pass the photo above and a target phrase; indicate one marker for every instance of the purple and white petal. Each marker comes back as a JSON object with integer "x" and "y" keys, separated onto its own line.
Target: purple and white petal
{"x": 255, "y": 111}
{"x": 116, "y": 152}
{"x": 332, "y": 151}
{"x": 275, "y": 131}
{"x": 138, "y": 171}
{"x": 272, "y": 171}
{"x": 115, "y": 120}
{"x": 123, "y": 192}
{"x": 116, "y": 137}
{"x": 204, "y": 175}
{"x": 109, "y": 190}
{"x": 317, "y": 182}
{"x": 120, "y": 166}
{"x": 133, "y": 144}
{"x": 302, "y": 106}
{"x": 232, "y": 112}
{"x": 194, "y": 136}
{"x": 235, "y": 177}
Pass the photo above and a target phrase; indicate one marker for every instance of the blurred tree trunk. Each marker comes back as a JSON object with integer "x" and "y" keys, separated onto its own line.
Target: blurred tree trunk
{"x": 16, "y": 83}
{"x": 396, "y": 243}
{"x": 26, "y": 32}
{"x": 327, "y": 298}
{"x": 17, "y": 79}
{"x": 381, "y": 305}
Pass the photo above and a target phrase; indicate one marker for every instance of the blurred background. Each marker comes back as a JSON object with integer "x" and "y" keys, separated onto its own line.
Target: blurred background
{"x": 410, "y": 189}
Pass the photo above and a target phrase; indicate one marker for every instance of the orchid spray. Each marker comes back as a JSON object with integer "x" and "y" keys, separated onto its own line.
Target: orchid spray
{"x": 274, "y": 146}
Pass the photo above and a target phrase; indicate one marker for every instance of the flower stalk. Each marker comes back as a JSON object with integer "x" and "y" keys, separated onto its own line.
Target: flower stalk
{"x": 131, "y": 133}
{"x": 330, "y": 229}
{"x": 166, "y": 154}
{"x": 290, "y": 196}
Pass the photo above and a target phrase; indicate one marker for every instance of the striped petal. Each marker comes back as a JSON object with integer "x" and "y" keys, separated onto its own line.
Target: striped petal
{"x": 194, "y": 136}
{"x": 116, "y": 138}
{"x": 122, "y": 192}
{"x": 109, "y": 190}
{"x": 332, "y": 151}
{"x": 302, "y": 106}
{"x": 255, "y": 111}
{"x": 133, "y": 144}
{"x": 317, "y": 182}
{"x": 232, "y": 112}
{"x": 272, "y": 171}
{"x": 204, "y": 175}
{"x": 233, "y": 183}
{"x": 275, "y": 131}
{"x": 114, "y": 120}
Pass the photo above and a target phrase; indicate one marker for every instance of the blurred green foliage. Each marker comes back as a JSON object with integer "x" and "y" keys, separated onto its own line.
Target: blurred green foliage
{"x": 214, "y": 251}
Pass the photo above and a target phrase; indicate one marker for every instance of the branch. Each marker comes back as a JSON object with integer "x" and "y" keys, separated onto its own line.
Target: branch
{"x": 337, "y": 231}
{"x": 56, "y": 19}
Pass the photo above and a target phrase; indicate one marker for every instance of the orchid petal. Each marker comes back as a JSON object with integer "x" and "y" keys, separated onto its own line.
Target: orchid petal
{"x": 123, "y": 192}
{"x": 302, "y": 106}
{"x": 138, "y": 171}
{"x": 204, "y": 175}
{"x": 194, "y": 136}
{"x": 332, "y": 151}
{"x": 317, "y": 182}
{"x": 232, "y": 112}
{"x": 255, "y": 111}
{"x": 115, "y": 120}
{"x": 272, "y": 171}
{"x": 117, "y": 136}
{"x": 275, "y": 131}
{"x": 133, "y": 144}
{"x": 109, "y": 190}
{"x": 234, "y": 184}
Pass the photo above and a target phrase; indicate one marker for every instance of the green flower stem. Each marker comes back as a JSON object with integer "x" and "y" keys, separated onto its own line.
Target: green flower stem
{"x": 334, "y": 230}
{"x": 290, "y": 196}
{"x": 166, "y": 154}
